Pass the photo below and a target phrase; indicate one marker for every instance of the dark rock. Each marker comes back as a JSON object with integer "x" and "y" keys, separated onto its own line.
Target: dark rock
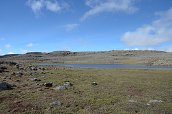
{"x": 33, "y": 68}
{"x": 18, "y": 81}
{"x": 6, "y": 86}
{"x": 17, "y": 66}
{"x": 13, "y": 73}
{"x": 94, "y": 83}
{"x": 48, "y": 84}
{"x": 43, "y": 73}
{"x": 3, "y": 69}
{"x": 42, "y": 68}
{"x": 21, "y": 68}
{"x": 12, "y": 63}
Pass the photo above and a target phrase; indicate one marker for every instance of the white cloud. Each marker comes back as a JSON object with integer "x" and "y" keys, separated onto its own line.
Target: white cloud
{"x": 54, "y": 7}
{"x": 10, "y": 53}
{"x": 100, "y": 6}
{"x": 30, "y": 45}
{"x": 51, "y": 5}
{"x": 36, "y": 5}
{"x": 23, "y": 51}
{"x": 159, "y": 31}
{"x": 7, "y": 46}
{"x": 70, "y": 27}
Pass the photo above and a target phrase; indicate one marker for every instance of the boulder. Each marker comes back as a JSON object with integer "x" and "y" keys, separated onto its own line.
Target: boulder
{"x": 48, "y": 84}
{"x": 55, "y": 104}
{"x": 68, "y": 84}
{"x": 6, "y": 86}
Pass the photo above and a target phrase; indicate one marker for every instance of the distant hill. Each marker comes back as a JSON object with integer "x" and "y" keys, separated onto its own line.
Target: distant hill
{"x": 146, "y": 57}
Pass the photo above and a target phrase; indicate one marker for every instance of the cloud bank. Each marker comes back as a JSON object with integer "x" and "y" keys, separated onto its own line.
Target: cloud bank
{"x": 100, "y": 6}
{"x": 159, "y": 31}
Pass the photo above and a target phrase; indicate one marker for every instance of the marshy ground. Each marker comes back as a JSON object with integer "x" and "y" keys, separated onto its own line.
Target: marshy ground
{"x": 89, "y": 91}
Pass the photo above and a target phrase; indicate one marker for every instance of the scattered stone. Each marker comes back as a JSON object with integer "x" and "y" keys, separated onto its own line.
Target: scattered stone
{"x": 34, "y": 73}
{"x": 68, "y": 84}
{"x": 42, "y": 68}
{"x": 43, "y": 76}
{"x": 55, "y": 104}
{"x": 60, "y": 88}
{"x": 6, "y": 86}
{"x": 35, "y": 79}
{"x": 48, "y": 84}
{"x": 94, "y": 83}
{"x": 19, "y": 74}
{"x": 148, "y": 104}
{"x": 33, "y": 68}
{"x": 21, "y": 68}
{"x": 13, "y": 73}
{"x": 39, "y": 89}
{"x": 153, "y": 102}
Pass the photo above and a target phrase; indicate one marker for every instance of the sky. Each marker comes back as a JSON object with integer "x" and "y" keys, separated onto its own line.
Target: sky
{"x": 84, "y": 25}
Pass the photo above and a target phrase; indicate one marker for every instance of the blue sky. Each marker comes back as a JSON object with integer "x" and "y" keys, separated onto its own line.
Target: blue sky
{"x": 84, "y": 25}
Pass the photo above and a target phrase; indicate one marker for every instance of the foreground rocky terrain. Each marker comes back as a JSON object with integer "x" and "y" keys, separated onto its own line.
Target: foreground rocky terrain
{"x": 30, "y": 89}
{"x": 102, "y": 57}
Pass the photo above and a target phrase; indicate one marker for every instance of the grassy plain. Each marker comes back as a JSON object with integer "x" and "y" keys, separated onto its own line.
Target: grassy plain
{"x": 118, "y": 91}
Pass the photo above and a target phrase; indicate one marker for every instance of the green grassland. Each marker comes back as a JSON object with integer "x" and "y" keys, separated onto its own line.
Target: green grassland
{"x": 118, "y": 91}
